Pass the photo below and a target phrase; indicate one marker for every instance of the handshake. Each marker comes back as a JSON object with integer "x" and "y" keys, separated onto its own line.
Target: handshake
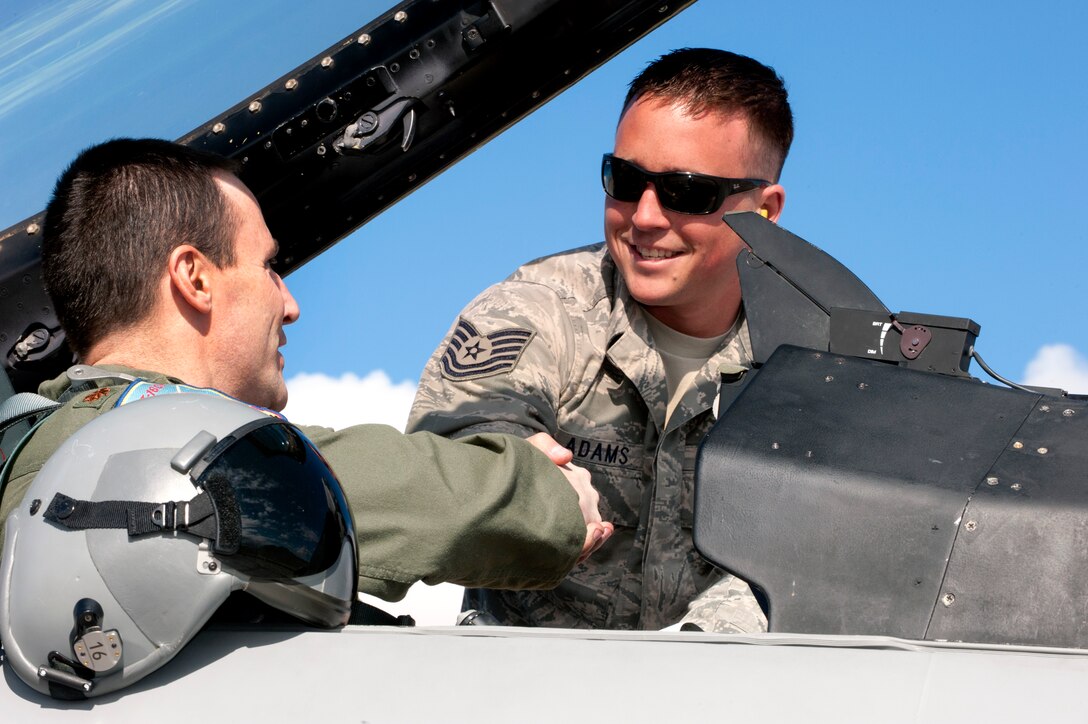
{"x": 597, "y": 531}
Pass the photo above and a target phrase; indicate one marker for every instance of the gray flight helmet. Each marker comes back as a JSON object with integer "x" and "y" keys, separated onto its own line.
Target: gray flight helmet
{"x": 145, "y": 520}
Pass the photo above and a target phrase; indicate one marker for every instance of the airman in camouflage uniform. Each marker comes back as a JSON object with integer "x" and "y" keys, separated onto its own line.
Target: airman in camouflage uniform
{"x": 584, "y": 369}
{"x": 566, "y": 344}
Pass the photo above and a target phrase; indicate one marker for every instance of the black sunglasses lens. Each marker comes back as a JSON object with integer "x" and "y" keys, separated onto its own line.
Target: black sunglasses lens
{"x": 687, "y": 194}
{"x": 622, "y": 181}
{"x": 680, "y": 192}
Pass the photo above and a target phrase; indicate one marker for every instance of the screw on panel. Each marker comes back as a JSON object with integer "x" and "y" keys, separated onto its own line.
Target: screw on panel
{"x": 970, "y": 525}
{"x": 1068, "y": 413}
{"x": 267, "y": 145}
{"x": 401, "y": 16}
{"x": 774, "y": 446}
{"x": 840, "y": 361}
{"x": 948, "y": 599}
{"x": 991, "y": 480}
{"x": 863, "y": 386}
{"x": 414, "y": 53}
{"x": 817, "y": 355}
{"x": 321, "y": 150}
{"x": 326, "y": 62}
{"x": 1043, "y": 451}
{"x": 1015, "y": 486}
{"x": 364, "y": 39}
{"x": 218, "y": 128}
{"x": 291, "y": 84}
{"x": 254, "y": 106}
{"x": 394, "y": 67}
{"x": 1044, "y": 408}
{"x": 33, "y": 229}
{"x": 1018, "y": 445}
{"x": 829, "y": 378}
{"x": 663, "y": 9}
{"x": 430, "y": 44}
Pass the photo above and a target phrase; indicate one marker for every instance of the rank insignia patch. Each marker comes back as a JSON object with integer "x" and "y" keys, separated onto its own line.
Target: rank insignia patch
{"x": 471, "y": 355}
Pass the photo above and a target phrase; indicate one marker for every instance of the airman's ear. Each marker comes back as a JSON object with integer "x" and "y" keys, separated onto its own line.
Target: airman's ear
{"x": 772, "y": 199}
{"x": 191, "y": 277}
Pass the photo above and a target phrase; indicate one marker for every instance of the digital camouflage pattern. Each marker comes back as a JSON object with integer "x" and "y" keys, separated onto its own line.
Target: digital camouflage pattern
{"x": 589, "y": 376}
{"x": 726, "y": 607}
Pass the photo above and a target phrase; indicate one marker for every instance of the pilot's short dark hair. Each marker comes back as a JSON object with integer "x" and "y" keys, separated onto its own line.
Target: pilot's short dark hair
{"x": 116, "y": 213}
{"x": 709, "y": 80}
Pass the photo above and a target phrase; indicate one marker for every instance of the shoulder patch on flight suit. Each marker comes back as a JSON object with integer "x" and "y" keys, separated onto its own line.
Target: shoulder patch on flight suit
{"x": 95, "y": 398}
{"x": 471, "y": 355}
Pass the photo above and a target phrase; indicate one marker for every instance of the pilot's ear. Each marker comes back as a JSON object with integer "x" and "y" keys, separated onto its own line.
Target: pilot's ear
{"x": 191, "y": 277}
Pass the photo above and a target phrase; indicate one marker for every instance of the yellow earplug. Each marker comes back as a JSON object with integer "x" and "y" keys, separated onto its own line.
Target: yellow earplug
{"x": 763, "y": 212}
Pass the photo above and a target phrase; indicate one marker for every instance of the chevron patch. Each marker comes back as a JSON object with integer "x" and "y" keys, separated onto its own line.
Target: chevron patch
{"x": 471, "y": 355}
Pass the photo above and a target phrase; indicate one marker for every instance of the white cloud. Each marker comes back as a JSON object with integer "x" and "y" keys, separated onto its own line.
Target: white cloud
{"x": 1058, "y": 365}
{"x": 318, "y": 399}
{"x": 338, "y": 402}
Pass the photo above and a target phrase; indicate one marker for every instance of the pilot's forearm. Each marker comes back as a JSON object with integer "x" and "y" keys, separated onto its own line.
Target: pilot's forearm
{"x": 488, "y": 511}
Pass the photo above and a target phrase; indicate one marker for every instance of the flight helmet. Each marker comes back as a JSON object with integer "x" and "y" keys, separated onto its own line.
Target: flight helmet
{"x": 144, "y": 521}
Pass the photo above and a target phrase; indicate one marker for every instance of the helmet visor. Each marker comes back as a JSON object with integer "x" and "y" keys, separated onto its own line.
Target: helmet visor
{"x": 280, "y": 510}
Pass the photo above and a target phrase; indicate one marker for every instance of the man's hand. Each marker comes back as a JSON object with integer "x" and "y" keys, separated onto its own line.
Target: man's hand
{"x": 597, "y": 531}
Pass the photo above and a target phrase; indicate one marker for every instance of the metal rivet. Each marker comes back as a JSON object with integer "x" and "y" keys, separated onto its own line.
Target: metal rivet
{"x": 817, "y": 355}
{"x": 1017, "y": 445}
{"x": 1043, "y": 451}
{"x": 321, "y": 150}
{"x": 1045, "y": 408}
{"x": 808, "y": 453}
{"x": 1068, "y": 413}
{"x": 254, "y": 106}
{"x": 829, "y": 378}
{"x": 267, "y": 144}
{"x": 948, "y": 599}
{"x": 862, "y": 386}
{"x": 218, "y": 128}
{"x": 364, "y": 39}
{"x": 991, "y": 480}
{"x": 429, "y": 43}
{"x": 774, "y": 446}
{"x": 326, "y": 62}
{"x": 1015, "y": 486}
{"x": 394, "y": 67}
{"x": 840, "y": 361}
{"x": 213, "y": 566}
{"x": 970, "y": 525}
{"x": 33, "y": 229}
{"x": 411, "y": 178}
{"x": 401, "y": 16}
{"x": 413, "y": 54}
{"x": 535, "y": 94}
{"x": 291, "y": 84}
{"x": 35, "y": 505}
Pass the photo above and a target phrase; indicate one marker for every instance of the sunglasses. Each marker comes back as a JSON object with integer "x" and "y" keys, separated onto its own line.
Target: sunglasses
{"x": 680, "y": 191}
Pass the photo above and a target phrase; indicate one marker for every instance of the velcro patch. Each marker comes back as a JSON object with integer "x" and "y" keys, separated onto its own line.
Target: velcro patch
{"x": 471, "y": 355}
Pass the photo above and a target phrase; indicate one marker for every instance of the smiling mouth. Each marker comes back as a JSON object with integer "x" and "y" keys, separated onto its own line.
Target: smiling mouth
{"x": 646, "y": 252}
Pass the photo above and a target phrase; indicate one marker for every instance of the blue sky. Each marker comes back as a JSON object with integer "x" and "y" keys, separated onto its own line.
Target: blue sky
{"x": 940, "y": 154}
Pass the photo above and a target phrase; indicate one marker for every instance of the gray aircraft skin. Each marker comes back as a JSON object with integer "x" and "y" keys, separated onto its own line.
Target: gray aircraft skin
{"x": 902, "y": 567}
